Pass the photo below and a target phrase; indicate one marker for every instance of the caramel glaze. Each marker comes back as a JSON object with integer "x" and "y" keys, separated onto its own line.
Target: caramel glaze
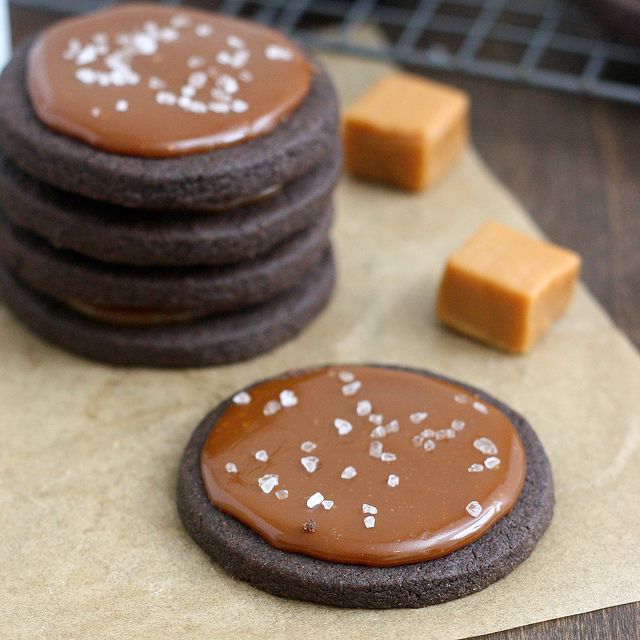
{"x": 132, "y": 317}
{"x": 430, "y": 513}
{"x": 153, "y": 81}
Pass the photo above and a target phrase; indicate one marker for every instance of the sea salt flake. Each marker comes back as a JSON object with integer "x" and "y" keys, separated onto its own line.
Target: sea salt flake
{"x": 195, "y": 62}
{"x": 369, "y": 508}
{"x": 363, "y": 408}
{"x": 268, "y": 482}
{"x": 346, "y": 376}
{"x": 486, "y": 446}
{"x": 429, "y": 445}
{"x": 370, "y": 522}
{"x": 474, "y": 509}
{"x": 122, "y": 105}
{"x": 198, "y": 79}
{"x": 387, "y": 456}
{"x": 458, "y": 425}
{"x": 203, "y": 30}
{"x": 418, "y": 417}
{"x": 417, "y": 441}
{"x": 277, "y": 52}
{"x": 187, "y": 92}
{"x": 348, "y": 473}
{"x": 282, "y": 494}
{"x": 272, "y": 407}
{"x": 392, "y": 427}
{"x": 492, "y": 462}
{"x": 261, "y": 455}
{"x": 230, "y": 467}
{"x": 393, "y": 480}
{"x": 310, "y": 463}
{"x": 375, "y": 449}
{"x": 343, "y": 426}
{"x": 242, "y": 397}
{"x": 475, "y": 468}
{"x": 327, "y": 504}
{"x": 166, "y": 98}
{"x": 315, "y": 500}
{"x": 235, "y": 42}
{"x": 307, "y": 446}
{"x": 288, "y": 398}
{"x": 428, "y": 433}
{"x": 352, "y": 388}
{"x": 218, "y": 107}
{"x": 239, "y": 106}
{"x": 378, "y": 432}
{"x": 478, "y": 406}
{"x": 376, "y": 418}
{"x": 460, "y": 398}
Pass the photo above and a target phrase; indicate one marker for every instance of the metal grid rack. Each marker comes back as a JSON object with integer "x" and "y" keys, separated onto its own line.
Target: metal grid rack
{"x": 547, "y": 43}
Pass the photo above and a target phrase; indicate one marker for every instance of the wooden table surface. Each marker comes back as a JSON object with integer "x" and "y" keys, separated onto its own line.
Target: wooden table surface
{"x": 574, "y": 163}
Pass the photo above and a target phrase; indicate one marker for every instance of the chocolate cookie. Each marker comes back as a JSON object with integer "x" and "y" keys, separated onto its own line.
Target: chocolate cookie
{"x": 375, "y": 551}
{"x": 200, "y": 181}
{"x": 119, "y": 235}
{"x": 210, "y": 341}
{"x": 68, "y": 276}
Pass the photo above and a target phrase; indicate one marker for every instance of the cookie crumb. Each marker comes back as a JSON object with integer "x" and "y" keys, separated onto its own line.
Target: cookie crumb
{"x": 310, "y": 526}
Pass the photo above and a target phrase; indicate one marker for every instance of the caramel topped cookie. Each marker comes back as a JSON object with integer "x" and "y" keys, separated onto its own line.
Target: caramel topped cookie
{"x": 391, "y": 466}
{"x": 153, "y": 81}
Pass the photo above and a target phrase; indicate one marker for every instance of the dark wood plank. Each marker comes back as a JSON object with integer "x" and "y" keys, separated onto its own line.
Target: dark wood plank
{"x": 573, "y": 163}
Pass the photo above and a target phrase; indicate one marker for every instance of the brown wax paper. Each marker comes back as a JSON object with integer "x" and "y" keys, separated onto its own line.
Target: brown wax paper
{"x": 92, "y": 547}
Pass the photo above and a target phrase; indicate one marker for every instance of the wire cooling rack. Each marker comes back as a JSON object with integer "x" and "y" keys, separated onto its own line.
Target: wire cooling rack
{"x": 547, "y": 43}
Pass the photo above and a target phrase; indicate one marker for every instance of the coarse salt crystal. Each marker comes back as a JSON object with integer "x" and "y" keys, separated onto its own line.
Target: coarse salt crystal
{"x": 272, "y": 407}
{"x": 348, "y": 473}
{"x": 268, "y": 482}
{"x": 307, "y": 446}
{"x": 393, "y": 480}
{"x": 417, "y": 441}
{"x": 352, "y": 388}
{"x": 230, "y": 467}
{"x": 441, "y": 434}
{"x": 429, "y": 445}
{"x": 451, "y": 433}
{"x": 277, "y": 52}
{"x": 478, "y": 406}
{"x": 242, "y": 398}
{"x": 239, "y": 106}
{"x": 343, "y": 426}
{"x": 194, "y": 62}
{"x": 458, "y": 425}
{"x": 475, "y": 468}
{"x": 428, "y": 433}
{"x": 378, "y": 432}
{"x": 310, "y": 463}
{"x": 392, "y": 427}
{"x": 492, "y": 462}
{"x": 315, "y": 500}
{"x": 460, "y": 398}
{"x": 375, "y": 449}
{"x": 363, "y": 408}
{"x": 282, "y": 494}
{"x": 486, "y": 446}
{"x": 122, "y": 105}
{"x": 288, "y": 398}
{"x": 388, "y": 457}
{"x": 261, "y": 455}
{"x": 346, "y": 376}
{"x": 95, "y": 112}
{"x": 418, "y": 417}
{"x": 474, "y": 509}
{"x": 369, "y": 508}
{"x": 376, "y": 418}
{"x": 327, "y": 504}
{"x": 370, "y": 522}
{"x": 203, "y": 30}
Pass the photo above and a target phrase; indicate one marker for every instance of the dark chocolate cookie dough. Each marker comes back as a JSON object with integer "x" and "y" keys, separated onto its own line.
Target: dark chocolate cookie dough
{"x": 114, "y": 234}
{"x": 247, "y": 556}
{"x": 200, "y": 181}
{"x": 67, "y": 276}
{"x": 213, "y": 340}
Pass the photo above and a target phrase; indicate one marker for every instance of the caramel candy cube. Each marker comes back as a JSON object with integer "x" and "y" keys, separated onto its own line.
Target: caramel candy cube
{"x": 506, "y": 288}
{"x": 406, "y": 131}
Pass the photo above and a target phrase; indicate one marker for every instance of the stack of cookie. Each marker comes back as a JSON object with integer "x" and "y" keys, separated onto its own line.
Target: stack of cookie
{"x": 166, "y": 181}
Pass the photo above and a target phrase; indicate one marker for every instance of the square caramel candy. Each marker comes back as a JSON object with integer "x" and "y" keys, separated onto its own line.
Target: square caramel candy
{"x": 405, "y": 130}
{"x": 506, "y": 288}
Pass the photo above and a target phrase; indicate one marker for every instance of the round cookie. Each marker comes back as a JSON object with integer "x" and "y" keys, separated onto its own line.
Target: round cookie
{"x": 201, "y": 181}
{"x": 124, "y": 236}
{"x": 68, "y": 276}
{"x": 247, "y": 556}
{"x": 211, "y": 341}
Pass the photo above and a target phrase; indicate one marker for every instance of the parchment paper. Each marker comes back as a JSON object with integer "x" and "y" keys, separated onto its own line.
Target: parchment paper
{"x": 91, "y": 545}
